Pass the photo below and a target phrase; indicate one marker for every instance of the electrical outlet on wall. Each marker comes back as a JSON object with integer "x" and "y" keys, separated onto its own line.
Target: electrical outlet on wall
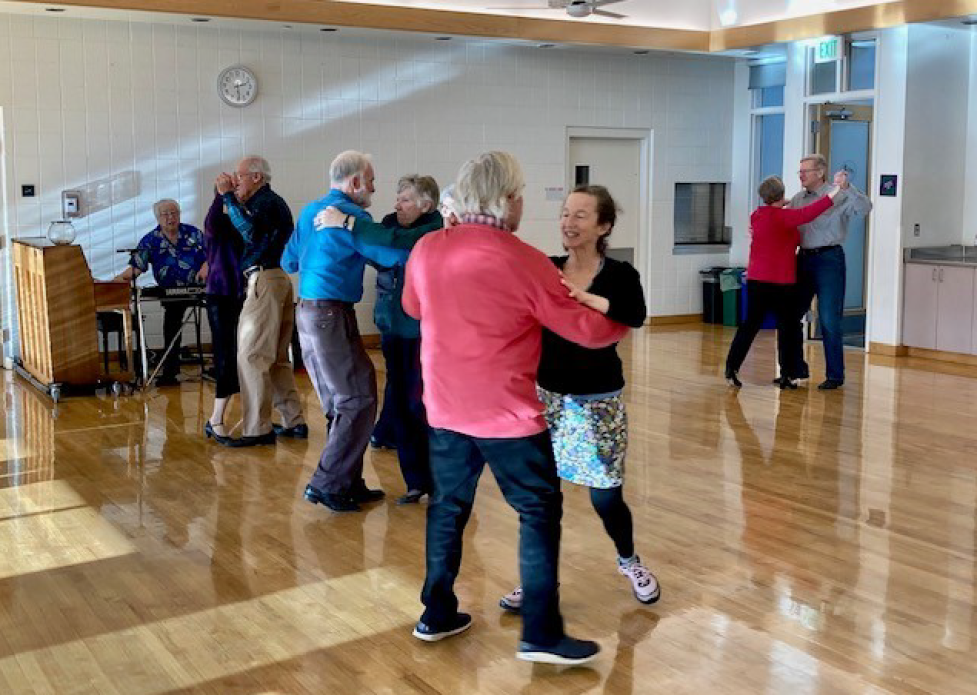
{"x": 916, "y": 229}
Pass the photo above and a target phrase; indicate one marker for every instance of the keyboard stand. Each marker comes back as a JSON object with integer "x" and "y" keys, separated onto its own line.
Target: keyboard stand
{"x": 193, "y": 315}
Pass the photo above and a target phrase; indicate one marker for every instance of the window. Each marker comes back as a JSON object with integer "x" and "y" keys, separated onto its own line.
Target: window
{"x": 768, "y": 147}
{"x": 824, "y": 76}
{"x": 700, "y": 214}
{"x": 861, "y": 64}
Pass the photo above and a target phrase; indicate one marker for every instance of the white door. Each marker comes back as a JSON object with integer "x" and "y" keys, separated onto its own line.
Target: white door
{"x": 616, "y": 165}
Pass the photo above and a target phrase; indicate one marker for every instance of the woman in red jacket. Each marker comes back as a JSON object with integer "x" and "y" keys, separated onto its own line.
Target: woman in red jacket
{"x": 772, "y": 271}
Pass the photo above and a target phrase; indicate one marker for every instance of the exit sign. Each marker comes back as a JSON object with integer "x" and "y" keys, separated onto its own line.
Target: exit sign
{"x": 827, "y": 50}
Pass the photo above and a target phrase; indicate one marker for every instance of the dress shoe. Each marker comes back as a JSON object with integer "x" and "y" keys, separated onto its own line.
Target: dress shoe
{"x": 380, "y": 444}
{"x": 268, "y": 438}
{"x": 785, "y": 382}
{"x": 337, "y": 502}
{"x": 732, "y": 379}
{"x": 362, "y": 494}
{"x": 300, "y": 431}
{"x": 167, "y": 380}
{"x": 211, "y": 433}
{"x": 830, "y": 384}
{"x": 412, "y": 497}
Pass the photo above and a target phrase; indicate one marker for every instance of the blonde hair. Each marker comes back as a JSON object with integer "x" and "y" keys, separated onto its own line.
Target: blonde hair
{"x": 486, "y": 183}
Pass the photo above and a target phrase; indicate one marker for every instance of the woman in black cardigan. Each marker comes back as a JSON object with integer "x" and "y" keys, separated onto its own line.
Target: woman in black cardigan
{"x": 581, "y": 389}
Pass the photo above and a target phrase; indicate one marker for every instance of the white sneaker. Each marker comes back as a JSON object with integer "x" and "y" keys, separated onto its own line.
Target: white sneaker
{"x": 643, "y": 583}
{"x": 512, "y": 601}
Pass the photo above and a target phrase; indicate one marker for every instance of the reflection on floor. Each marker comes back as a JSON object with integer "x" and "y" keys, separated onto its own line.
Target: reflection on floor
{"x": 806, "y": 542}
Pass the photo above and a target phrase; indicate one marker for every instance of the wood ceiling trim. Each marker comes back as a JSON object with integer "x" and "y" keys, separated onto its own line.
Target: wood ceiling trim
{"x": 392, "y": 18}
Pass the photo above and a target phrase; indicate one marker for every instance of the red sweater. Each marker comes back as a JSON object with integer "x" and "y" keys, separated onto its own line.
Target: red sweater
{"x": 775, "y": 241}
{"x": 483, "y": 297}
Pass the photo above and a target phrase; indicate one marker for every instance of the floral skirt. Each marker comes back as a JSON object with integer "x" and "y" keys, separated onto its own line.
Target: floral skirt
{"x": 590, "y": 437}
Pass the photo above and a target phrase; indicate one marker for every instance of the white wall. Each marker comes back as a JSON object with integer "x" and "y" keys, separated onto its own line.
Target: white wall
{"x": 936, "y": 125}
{"x": 969, "y": 222}
{"x": 89, "y": 100}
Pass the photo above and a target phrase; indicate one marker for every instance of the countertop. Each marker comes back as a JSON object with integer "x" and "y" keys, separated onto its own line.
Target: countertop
{"x": 943, "y": 255}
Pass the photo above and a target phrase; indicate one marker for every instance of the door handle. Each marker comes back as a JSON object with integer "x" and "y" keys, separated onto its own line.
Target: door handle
{"x": 934, "y": 274}
{"x": 941, "y": 274}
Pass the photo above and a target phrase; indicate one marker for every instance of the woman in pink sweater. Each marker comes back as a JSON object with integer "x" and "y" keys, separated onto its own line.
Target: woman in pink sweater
{"x": 483, "y": 298}
{"x": 772, "y": 272}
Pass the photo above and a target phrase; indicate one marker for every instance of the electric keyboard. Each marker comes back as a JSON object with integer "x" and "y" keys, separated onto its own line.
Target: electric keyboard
{"x": 188, "y": 292}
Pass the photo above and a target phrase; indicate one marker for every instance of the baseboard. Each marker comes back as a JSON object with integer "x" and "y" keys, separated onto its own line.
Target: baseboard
{"x": 888, "y": 350}
{"x": 943, "y": 356}
{"x": 674, "y": 320}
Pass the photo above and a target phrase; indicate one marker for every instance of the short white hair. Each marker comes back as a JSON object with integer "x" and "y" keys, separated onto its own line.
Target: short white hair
{"x": 348, "y": 164}
{"x": 160, "y": 203}
{"x": 258, "y": 165}
{"x": 486, "y": 183}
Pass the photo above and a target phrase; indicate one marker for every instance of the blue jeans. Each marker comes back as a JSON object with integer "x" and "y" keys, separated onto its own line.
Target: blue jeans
{"x": 525, "y": 470}
{"x": 823, "y": 274}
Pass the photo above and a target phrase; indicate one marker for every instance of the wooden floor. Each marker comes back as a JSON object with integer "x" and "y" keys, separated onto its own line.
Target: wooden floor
{"x": 806, "y": 542}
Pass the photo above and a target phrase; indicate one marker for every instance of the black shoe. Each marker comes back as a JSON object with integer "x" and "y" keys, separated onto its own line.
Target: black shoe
{"x": 260, "y": 439}
{"x": 732, "y": 379}
{"x": 567, "y": 652}
{"x": 300, "y": 431}
{"x": 362, "y": 494}
{"x": 167, "y": 380}
{"x": 380, "y": 444}
{"x": 335, "y": 501}
{"x": 219, "y": 438}
{"x": 785, "y": 382}
{"x": 412, "y": 497}
{"x": 830, "y": 384}
{"x": 428, "y": 633}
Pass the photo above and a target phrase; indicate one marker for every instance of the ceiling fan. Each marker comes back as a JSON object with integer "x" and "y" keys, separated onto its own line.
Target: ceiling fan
{"x": 574, "y": 8}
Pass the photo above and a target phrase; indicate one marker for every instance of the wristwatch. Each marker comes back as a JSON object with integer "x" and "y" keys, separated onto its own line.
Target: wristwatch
{"x": 346, "y": 223}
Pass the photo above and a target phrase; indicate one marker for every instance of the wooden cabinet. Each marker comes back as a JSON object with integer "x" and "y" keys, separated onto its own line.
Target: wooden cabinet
{"x": 938, "y": 310}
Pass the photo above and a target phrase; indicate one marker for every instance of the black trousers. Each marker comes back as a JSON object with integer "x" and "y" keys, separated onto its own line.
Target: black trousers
{"x": 223, "y": 314}
{"x": 762, "y": 297}
{"x": 408, "y": 418}
{"x": 525, "y": 470}
{"x": 174, "y": 311}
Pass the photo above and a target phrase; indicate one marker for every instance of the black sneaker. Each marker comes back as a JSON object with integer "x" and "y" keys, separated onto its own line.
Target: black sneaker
{"x": 428, "y": 633}
{"x": 335, "y": 501}
{"x": 363, "y": 495}
{"x": 830, "y": 384}
{"x": 567, "y": 652}
{"x": 300, "y": 431}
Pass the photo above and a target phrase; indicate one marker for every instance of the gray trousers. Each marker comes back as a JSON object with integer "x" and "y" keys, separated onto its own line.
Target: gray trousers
{"x": 346, "y": 383}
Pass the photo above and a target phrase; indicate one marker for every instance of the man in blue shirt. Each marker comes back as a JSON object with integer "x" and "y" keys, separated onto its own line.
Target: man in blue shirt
{"x": 176, "y": 253}
{"x": 330, "y": 262}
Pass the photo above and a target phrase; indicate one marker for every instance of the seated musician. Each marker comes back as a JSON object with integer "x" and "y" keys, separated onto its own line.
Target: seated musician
{"x": 176, "y": 252}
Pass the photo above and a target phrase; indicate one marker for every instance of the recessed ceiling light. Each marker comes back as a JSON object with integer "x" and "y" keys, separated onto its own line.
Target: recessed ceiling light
{"x": 546, "y": 45}
{"x": 286, "y": 26}
{"x": 200, "y": 19}
{"x": 642, "y": 52}
{"x": 328, "y": 29}
{"x": 442, "y": 38}
{"x": 54, "y": 9}
{"x": 970, "y": 22}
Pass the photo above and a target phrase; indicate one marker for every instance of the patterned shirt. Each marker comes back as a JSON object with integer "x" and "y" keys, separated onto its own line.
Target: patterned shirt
{"x": 174, "y": 265}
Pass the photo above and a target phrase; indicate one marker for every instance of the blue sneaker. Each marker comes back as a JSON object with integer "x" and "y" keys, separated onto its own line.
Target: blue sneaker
{"x": 428, "y": 633}
{"x": 567, "y": 652}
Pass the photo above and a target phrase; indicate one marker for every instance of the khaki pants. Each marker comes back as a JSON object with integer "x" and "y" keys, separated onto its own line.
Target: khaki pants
{"x": 264, "y": 334}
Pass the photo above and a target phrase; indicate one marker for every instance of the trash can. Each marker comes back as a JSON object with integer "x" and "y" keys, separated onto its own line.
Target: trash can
{"x": 729, "y": 286}
{"x": 712, "y": 298}
{"x": 769, "y": 321}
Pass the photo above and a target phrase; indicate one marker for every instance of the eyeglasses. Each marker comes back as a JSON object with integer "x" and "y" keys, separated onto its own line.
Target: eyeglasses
{"x": 807, "y": 171}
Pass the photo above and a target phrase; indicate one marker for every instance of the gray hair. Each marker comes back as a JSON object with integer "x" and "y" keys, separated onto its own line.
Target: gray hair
{"x": 425, "y": 188}
{"x": 347, "y": 165}
{"x": 486, "y": 183}
{"x": 160, "y": 203}
{"x": 258, "y": 165}
{"x": 819, "y": 161}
